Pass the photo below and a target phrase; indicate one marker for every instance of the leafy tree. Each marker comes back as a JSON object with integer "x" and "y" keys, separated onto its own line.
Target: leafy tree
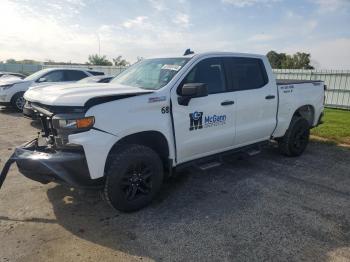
{"x": 24, "y": 61}
{"x": 302, "y": 60}
{"x": 283, "y": 61}
{"x": 98, "y": 60}
{"x": 276, "y": 59}
{"x": 11, "y": 61}
{"x": 139, "y": 58}
{"x": 119, "y": 61}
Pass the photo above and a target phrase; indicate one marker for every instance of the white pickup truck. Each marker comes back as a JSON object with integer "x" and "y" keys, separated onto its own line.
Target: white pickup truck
{"x": 162, "y": 114}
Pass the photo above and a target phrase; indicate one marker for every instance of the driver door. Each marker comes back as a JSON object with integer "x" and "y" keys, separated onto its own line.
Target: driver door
{"x": 206, "y": 125}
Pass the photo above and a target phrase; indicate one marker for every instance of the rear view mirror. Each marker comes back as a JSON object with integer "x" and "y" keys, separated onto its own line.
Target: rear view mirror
{"x": 192, "y": 90}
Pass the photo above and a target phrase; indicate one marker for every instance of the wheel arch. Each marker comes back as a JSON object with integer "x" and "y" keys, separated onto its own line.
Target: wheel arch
{"x": 307, "y": 112}
{"x": 152, "y": 139}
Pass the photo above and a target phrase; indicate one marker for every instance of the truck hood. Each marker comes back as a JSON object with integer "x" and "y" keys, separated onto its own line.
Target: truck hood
{"x": 78, "y": 94}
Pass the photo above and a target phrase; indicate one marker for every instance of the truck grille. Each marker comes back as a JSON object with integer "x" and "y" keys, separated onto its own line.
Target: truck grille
{"x": 48, "y": 128}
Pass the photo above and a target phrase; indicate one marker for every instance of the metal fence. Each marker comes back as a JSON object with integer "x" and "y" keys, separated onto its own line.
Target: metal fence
{"x": 337, "y": 81}
{"x": 26, "y": 69}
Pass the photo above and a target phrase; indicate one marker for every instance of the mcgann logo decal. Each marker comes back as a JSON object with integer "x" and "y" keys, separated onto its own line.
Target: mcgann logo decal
{"x": 196, "y": 120}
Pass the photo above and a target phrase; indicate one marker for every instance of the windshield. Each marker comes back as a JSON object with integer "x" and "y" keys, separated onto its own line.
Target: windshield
{"x": 151, "y": 73}
{"x": 36, "y": 75}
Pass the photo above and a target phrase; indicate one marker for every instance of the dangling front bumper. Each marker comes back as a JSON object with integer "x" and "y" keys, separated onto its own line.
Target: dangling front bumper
{"x": 43, "y": 164}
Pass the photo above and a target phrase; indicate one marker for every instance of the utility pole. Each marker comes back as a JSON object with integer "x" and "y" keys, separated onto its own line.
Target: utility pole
{"x": 99, "y": 44}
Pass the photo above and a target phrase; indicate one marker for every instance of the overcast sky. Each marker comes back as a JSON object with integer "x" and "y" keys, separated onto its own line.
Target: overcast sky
{"x": 68, "y": 30}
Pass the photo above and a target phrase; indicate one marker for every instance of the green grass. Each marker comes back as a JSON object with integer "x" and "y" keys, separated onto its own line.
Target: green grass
{"x": 336, "y": 126}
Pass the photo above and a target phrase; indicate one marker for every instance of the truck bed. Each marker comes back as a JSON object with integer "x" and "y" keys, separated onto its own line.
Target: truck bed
{"x": 294, "y": 81}
{"x": 306, "y": 95}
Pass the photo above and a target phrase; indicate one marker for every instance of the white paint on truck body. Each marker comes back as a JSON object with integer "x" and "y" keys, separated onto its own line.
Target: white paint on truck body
{"x": 250, "y": 119}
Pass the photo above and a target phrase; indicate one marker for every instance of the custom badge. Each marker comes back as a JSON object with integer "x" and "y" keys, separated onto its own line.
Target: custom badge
{"x": 196, "y": 120}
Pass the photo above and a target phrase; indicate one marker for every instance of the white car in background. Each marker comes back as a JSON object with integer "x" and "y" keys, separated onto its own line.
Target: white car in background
{"x": 13, "y": 89}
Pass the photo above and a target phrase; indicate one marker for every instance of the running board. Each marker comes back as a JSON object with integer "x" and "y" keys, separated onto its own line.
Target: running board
{"x": 253, "y": 151}
{"x": 216, "y": 160}
{"x": 209, "y": 165}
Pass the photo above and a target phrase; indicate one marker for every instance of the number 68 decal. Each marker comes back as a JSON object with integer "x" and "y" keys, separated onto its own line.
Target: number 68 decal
{"x": 165, "y": 110}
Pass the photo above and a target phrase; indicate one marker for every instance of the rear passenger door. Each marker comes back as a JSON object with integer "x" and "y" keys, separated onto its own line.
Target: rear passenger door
{"x": 255, "y": 99}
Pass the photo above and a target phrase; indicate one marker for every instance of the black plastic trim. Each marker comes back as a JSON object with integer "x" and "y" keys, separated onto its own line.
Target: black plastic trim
{"x": 45, "y": 165}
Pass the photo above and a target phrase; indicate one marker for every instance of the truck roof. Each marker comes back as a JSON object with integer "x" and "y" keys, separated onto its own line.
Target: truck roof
{"x": 214, "y": 53}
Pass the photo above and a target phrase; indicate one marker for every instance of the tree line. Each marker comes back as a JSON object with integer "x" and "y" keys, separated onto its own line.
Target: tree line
{"x": 94, "y": 59}
{"x": 298, "y": 60}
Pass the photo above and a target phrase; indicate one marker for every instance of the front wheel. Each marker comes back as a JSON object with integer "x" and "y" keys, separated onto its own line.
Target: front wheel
{"x": 18, "y": 101}
{"x": 133, "y": 178}
{"x": 296, "y": 138}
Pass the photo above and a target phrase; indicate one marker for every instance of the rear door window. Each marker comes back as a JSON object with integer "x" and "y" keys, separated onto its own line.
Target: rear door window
{"x": 247, "y": 73}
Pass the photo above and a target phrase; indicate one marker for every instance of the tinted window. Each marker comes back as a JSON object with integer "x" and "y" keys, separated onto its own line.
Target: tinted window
{"x": 74, "y": 75}
{"x": 247, "y": 73}
{"x": 209, "y": 71}
{"x": 54, "y": 76}
{"x": 95, "y": 73}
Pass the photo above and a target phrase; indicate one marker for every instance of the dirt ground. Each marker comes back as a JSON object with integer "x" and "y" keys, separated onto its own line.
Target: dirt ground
{"x": 264, "y": 208}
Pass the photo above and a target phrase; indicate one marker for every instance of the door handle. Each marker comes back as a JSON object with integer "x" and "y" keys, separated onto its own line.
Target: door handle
{"x": 227, "y": 103}
{"x": 270, "y": 97}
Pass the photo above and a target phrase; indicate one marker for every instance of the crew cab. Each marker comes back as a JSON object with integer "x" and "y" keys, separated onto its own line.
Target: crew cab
{"x": 12, "y": 89}
{"x": 161, "y": 115}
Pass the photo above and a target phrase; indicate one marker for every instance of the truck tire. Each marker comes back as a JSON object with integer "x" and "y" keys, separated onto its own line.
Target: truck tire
{"x": 134, "y": 177}
{"x": 296, "y": 138}
{"x": 18, "y": 101}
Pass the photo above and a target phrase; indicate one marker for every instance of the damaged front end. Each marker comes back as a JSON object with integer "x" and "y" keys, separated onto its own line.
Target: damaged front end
{"x": 51, "y": 158}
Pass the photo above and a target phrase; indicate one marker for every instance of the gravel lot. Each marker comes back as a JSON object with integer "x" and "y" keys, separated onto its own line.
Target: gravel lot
{"x": 264, "y": 208}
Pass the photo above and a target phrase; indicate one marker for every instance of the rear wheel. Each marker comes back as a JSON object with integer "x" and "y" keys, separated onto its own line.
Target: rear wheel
{"x": 18, "y": 101}
{"x": 296, "y": 138}
{"x": 133, "y": 178}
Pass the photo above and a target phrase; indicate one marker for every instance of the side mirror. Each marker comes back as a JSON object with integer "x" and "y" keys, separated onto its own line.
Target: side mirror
{"x": 41, "y": 80}
{"x": 192, "y": 90}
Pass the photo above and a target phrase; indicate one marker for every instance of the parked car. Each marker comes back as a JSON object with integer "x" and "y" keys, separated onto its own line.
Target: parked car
{"x": 161, "y": 115}
{"x": 11, "y": 74}
{"x": 30, "y": 113}
{"x": 12, "y": 90}
{"x": 96, "y": 79}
